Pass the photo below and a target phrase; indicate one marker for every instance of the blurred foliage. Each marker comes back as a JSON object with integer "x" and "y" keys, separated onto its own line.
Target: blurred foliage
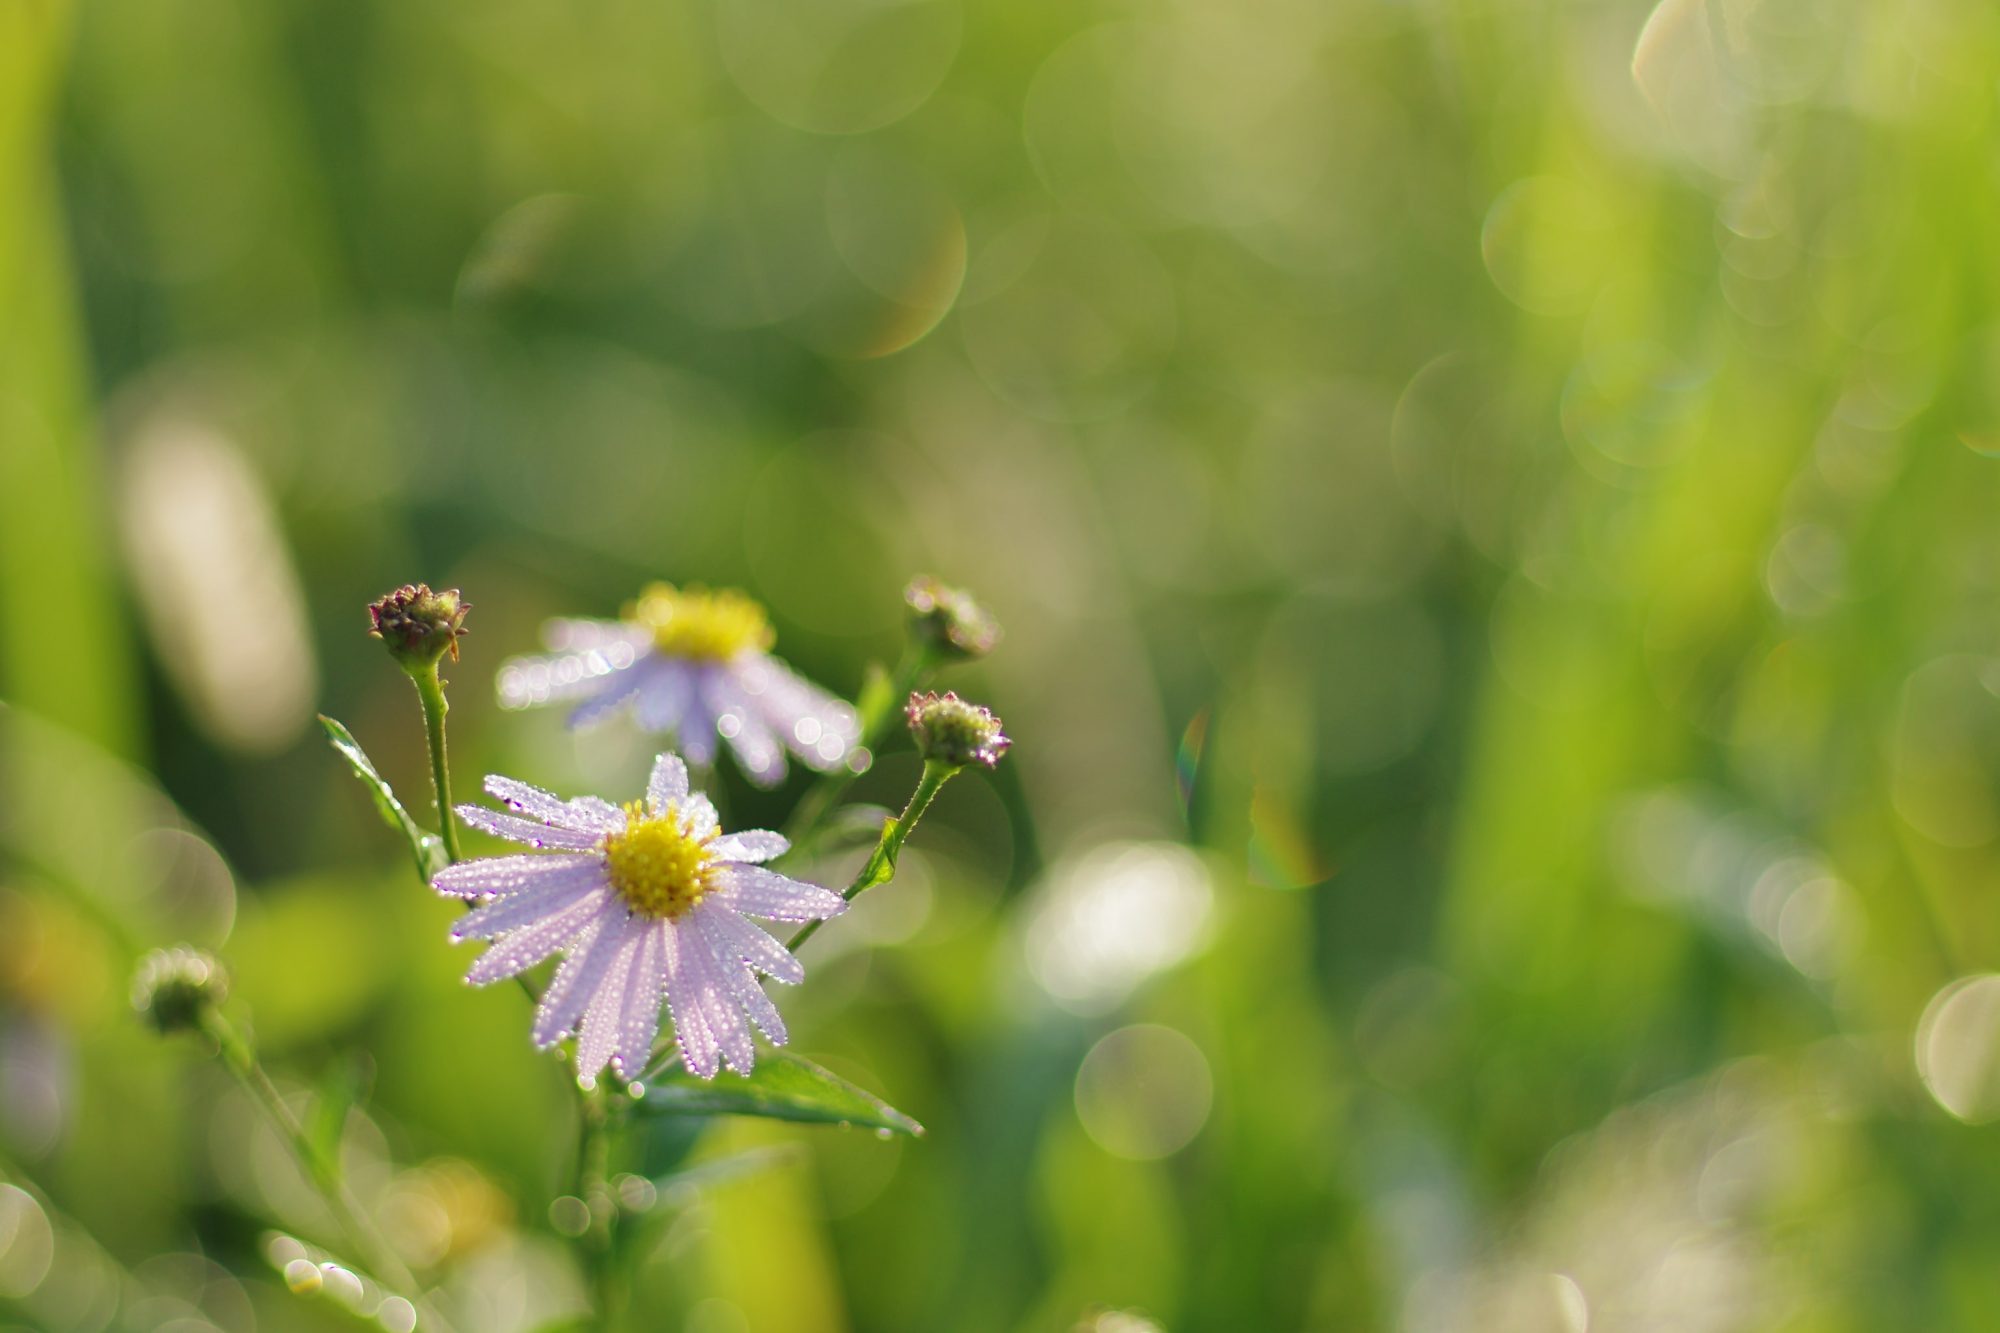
{"x": 1493, "y": 511}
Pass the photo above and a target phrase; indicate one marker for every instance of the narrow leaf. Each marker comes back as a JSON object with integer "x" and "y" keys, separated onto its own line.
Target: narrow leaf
{"x": 783, "y": 1086}
{"x": 426, "y": 848}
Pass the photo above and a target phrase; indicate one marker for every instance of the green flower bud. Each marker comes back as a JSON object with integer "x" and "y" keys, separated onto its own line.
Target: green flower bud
{"x": 419, "y": 626}
{"x": 173, "y": 988}
{"x": 948, "y": 622}
{"x": 948, "y": 730}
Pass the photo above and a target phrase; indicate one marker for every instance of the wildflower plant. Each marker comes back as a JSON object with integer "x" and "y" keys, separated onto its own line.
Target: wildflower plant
{"x": 633, "y": 926}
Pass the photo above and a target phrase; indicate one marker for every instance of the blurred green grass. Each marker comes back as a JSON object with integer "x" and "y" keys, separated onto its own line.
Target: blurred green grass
{"x": 1526, "y": 470}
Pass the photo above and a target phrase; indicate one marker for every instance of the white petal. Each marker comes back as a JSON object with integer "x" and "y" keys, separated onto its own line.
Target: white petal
{"x": 576, "y": 981}
{"x": 519, "y": 910}
{"x": 524, "y": 948}
{"x": 698, "y": 818}
{"x": 668, "y": 785}
{"x": 586, "y": 656}
{"x": 503, "y": 875}
{"x": 749, "y": 942}
{"x": 603, "y": 1015}
{"x": 696, "y": 729}
{"x": 643, "y": 993}
{"x": 585, "y": 814}
{"x": 516, "y": 829}
{"x": 698, "y": 1046}
{"x": 749, "y": 845}
{"x": 756, "y": 891}
{"x": 742, "y": 983}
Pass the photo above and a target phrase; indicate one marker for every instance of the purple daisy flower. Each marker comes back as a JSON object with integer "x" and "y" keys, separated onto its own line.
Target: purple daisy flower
{"x": 644, "y": 902}
{"x": 695, "y": 665}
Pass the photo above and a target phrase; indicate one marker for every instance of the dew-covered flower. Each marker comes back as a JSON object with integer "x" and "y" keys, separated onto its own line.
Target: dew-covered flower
{"x": 695, "y": 665}
{"x": 644, "y": 901}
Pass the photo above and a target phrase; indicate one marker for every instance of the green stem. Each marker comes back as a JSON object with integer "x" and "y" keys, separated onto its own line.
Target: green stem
{"x": 819, "y": 800}
{"x": 597, "y": 1243}
{"x": 431, "y": 691}
{"x": 322, "y": 1172}
{"x": 881, "y": 865}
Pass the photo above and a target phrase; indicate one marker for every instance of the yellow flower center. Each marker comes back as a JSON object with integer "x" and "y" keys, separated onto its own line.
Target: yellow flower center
{"x": 699, "y": 624}
{"x": 657, "y": 867}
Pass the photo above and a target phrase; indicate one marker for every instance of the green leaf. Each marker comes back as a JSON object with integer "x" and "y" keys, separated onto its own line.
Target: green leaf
{"x": 340, "y": 1088}
{"x": 881, "y": 866}
{"x": 877, "y": 697}
{"x": 427, "y": 848}
{"x": 783, "y": 1086}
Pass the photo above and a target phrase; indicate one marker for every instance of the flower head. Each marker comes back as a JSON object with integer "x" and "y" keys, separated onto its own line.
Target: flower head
{"x": 948, "y": 730}
{"x": 644, "y": 901}
{"x": 693, "y": 664}
{"x": 417, "y": 625}
{"x": 948, "y": 622}
{"x": 173, "y": 987}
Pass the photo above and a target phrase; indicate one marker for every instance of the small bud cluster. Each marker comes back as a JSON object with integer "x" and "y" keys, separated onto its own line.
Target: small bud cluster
{"x": 948, "y": 730}
{"x": 949, "y": 622}
{"x": 419, "y": 626}
{"x": 174, "y": 987}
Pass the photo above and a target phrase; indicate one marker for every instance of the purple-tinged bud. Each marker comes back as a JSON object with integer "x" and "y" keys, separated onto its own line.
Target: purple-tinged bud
{"x": 173, "y": 988}
{"x": 419, "y": 626}
{"x": 948, "y": 730}
{"x": 948, "y": 622}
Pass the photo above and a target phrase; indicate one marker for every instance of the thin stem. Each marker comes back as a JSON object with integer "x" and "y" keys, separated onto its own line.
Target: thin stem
{"x": 431, "y": 691}
{"x": 822, "y": 796}
{"x": 321, "y": 1171}
{"x": 881, "y": 864}
{"x": 597, "y": 1243}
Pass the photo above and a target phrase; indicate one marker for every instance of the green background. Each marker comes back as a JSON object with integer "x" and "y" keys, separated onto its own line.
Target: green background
{"x": 1493, "y": 509}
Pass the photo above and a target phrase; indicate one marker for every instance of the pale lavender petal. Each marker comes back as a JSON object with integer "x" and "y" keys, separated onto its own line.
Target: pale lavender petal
{"x": 664, "y": 692}
{"x": 698, "y": 818}
{"x": 585, "y": 654}
{"x": 578, "y": 635}
{"x": 738, "y": 721}
{"x": 524, "y": 948}
{"x": 756, "y": 891}
{"x": 642, "y": 1003}
{"x": 610, "y": 699}
{"x": 503, "y": 875}
{"x": 519, "y": 910}
{"x": 815, "y": 725}
{"x": 750, "y": 845}
{"x": 579, "y": 976}
{"x": 516, "y": 829}
{"x": 725, "y": 1018}
{"x": 698, "y": 1045}
{"x": 742, "y": 984}
{"x": 668, "y": 785}
{"x": 696, "y": 729}
{"x": 585, "y": 814}
{"x": 752, "y": 944}
{"x": 601, "y": 1017}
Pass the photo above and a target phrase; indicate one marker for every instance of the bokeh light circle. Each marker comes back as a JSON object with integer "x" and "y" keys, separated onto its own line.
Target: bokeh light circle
{"x": 1958, "y": 1048}
{"x": 1144, "y": 1092}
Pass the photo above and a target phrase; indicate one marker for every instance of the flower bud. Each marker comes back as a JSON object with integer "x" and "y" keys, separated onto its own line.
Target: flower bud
{"x": 948, "y": 622}
{"x": 419, "y": 626}
{"x": 173, "y": 988}
{"x": 948, "y": 730}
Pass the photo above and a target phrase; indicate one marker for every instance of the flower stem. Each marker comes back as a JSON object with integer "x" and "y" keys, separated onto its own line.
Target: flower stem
{"x": 597, "y": 1243}
{"x": 317, "y": 1167}
{"x": 430, "y": 690}
{"x": 881, "y": 864}
{"x": 881, "y": 714}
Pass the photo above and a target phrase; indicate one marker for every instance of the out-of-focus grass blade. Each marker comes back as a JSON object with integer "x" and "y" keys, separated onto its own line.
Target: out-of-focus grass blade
{"x": 342, "y": 1086}
{"x": 427, "y": 848}
{"x": 782, "y": 1087}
